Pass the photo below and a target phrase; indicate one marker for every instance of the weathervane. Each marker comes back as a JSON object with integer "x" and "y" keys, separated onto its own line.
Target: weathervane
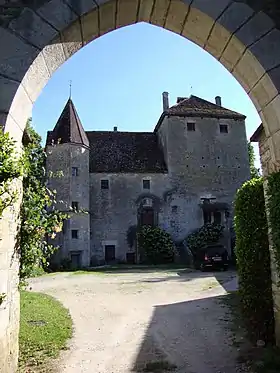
{"x": 70, "y": 88}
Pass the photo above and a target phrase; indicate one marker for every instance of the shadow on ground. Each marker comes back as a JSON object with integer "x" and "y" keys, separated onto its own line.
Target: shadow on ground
{"x": 188, "y": 337}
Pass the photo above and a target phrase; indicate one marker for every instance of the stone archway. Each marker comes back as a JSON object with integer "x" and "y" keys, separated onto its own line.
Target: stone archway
{"x": 35, "y": 39}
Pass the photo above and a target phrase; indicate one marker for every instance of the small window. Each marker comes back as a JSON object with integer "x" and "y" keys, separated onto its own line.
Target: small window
{"x": 104, "y": 184}
{"x": 146, "y": 184}
{"x": 74, "y": 171}
{"x": 174, "y": 208}
{"x": 217, "y": 217}
{"x": 191, "y": 126}
{"x": 74, "y": 233}
{"x": 75, "y": 205}
{"x": 207, "y": 217}
{"x": 223, "y": 128}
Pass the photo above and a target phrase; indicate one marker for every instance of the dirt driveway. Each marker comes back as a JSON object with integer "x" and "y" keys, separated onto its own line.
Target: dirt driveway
{"x": 135, "y": 322}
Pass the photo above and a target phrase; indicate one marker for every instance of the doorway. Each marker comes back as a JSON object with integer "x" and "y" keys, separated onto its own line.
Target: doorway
{"x": 110, "y": 253}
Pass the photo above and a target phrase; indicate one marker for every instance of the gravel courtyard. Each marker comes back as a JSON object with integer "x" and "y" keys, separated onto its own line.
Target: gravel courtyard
{"x": 145, "y": 321}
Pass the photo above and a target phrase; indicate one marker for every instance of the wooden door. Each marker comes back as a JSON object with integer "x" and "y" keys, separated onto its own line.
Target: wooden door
{"x": 110, "y": 253}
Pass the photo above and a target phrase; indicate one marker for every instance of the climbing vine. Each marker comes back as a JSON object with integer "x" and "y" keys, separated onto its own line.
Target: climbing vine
{"x": 273, "y": 193}
{"x": 11, "y": 167}
{"x": 40, "y": 221}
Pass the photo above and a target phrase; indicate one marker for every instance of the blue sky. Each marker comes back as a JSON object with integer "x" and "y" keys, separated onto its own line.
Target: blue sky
{"x": 118, "y": 79}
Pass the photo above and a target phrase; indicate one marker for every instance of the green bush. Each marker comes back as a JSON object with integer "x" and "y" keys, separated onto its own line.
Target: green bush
{"x": 207, "y": 234}
{"x": 253, "y": 260}
{"x": 155, "y": 245}
{"x": 273, "y": 193}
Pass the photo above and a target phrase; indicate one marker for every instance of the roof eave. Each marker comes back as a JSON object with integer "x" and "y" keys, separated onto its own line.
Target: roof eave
{"x": 256, "y": 135}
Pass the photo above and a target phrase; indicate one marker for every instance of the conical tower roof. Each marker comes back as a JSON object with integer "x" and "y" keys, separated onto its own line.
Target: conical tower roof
{"x": 68, "y": 128}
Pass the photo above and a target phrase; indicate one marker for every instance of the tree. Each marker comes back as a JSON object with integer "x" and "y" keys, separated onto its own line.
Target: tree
{"x": 39, "y": 218}
{"x": 254, "y": 171}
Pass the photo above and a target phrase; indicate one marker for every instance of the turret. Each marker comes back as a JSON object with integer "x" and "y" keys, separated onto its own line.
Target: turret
{"x": 68, "y": 173}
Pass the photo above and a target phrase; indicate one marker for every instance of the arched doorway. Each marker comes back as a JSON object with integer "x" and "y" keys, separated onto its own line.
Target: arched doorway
{"x": 36, "y": 39}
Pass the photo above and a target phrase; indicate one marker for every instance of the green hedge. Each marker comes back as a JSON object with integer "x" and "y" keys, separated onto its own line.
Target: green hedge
{"x": 253, "y": 260}
{"x": 273, "y": 193}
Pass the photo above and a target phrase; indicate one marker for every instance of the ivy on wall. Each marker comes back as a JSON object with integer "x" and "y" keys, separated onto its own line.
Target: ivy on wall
{"x": 253, "y": 260}
{"x": 11, "y": 167}
{"x": 273, "y": 194}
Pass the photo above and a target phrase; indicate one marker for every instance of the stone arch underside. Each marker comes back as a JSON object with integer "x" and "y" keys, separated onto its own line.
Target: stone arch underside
{"x": 37, "y": 38}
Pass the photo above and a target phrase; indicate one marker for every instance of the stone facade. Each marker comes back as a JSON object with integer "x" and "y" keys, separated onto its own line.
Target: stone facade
{"x": 198, "y": 152}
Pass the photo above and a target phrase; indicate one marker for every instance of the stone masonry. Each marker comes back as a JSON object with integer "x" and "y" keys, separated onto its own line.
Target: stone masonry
{"x": 197, "y": 153}
{"x": 36, "y": 37}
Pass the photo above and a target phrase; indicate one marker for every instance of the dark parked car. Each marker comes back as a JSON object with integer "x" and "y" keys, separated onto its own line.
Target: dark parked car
{"x": 212, "y": 257}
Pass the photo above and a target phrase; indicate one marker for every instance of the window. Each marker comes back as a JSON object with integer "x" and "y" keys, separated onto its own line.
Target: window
{"x": 191, "y": 126}
{"x": 74, "y": 233}
{"x": 217, "y": 217}
{"x": 223, "y": 128}
{"x": 174, "y": 208}
{"x": 75, "y": 205}
{"x": 146, "y": 184}
{"x": 74, "y": 171}
{"x": 207, "y": 217}
{"x": 104, "y": 184}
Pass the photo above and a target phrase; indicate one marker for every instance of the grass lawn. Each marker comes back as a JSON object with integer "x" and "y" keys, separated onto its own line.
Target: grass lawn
{"x": 45, "y": 327}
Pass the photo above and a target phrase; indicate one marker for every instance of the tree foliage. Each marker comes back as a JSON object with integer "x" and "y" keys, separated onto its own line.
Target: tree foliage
{"x": 11, "y": 167}
{"x": 39, "y": 219}
{"x": 253, "y": 260}
{"x": 254, "y": 171}
{"x": 156, "y": 245}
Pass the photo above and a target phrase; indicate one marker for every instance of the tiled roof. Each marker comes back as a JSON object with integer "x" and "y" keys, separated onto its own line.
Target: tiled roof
{"x": 197, "y": 107}
{"x": 115, "y": 151}
{"x": 68, "y": 128}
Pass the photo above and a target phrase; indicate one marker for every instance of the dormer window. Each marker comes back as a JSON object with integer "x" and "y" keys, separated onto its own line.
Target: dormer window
{"x": 146, "y": 184}
{"x": 191, "y": 126}
{"x": 223, "y": 128}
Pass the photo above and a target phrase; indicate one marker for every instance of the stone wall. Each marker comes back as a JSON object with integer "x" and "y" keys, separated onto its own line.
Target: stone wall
{"x": 71, "y": 188}
{"x": 10, "y": 308}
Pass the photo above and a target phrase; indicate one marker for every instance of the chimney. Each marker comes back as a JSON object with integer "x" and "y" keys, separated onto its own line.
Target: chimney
{"x": 218, "y": 101}
{"x": 165, "y": 101}
{"x": 115, "y": 129}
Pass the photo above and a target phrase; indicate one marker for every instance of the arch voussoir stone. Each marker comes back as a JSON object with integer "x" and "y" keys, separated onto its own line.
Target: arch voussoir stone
{"x": 37, "y": 38}
{"x": 159, "y": 12}
{"x": 126, "y": 12}
{"x": 90, "y": 26}
{"x": 57, "y": 13}
{"x": 176, "y": 16}
{"x": 197, "y": 27}
{"x": 217, "y": 40}
{"x": 72, "y": 39}
{"x": 107, "y": 14}
{"x": 32, "y": 28}
{"x": 16, "y": 55}
{"x": 36, "y": 77}
{"x": 145, "y": 10}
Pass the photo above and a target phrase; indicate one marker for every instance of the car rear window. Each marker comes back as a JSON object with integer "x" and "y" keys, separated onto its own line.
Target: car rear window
{"x": 215, "y": 250}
